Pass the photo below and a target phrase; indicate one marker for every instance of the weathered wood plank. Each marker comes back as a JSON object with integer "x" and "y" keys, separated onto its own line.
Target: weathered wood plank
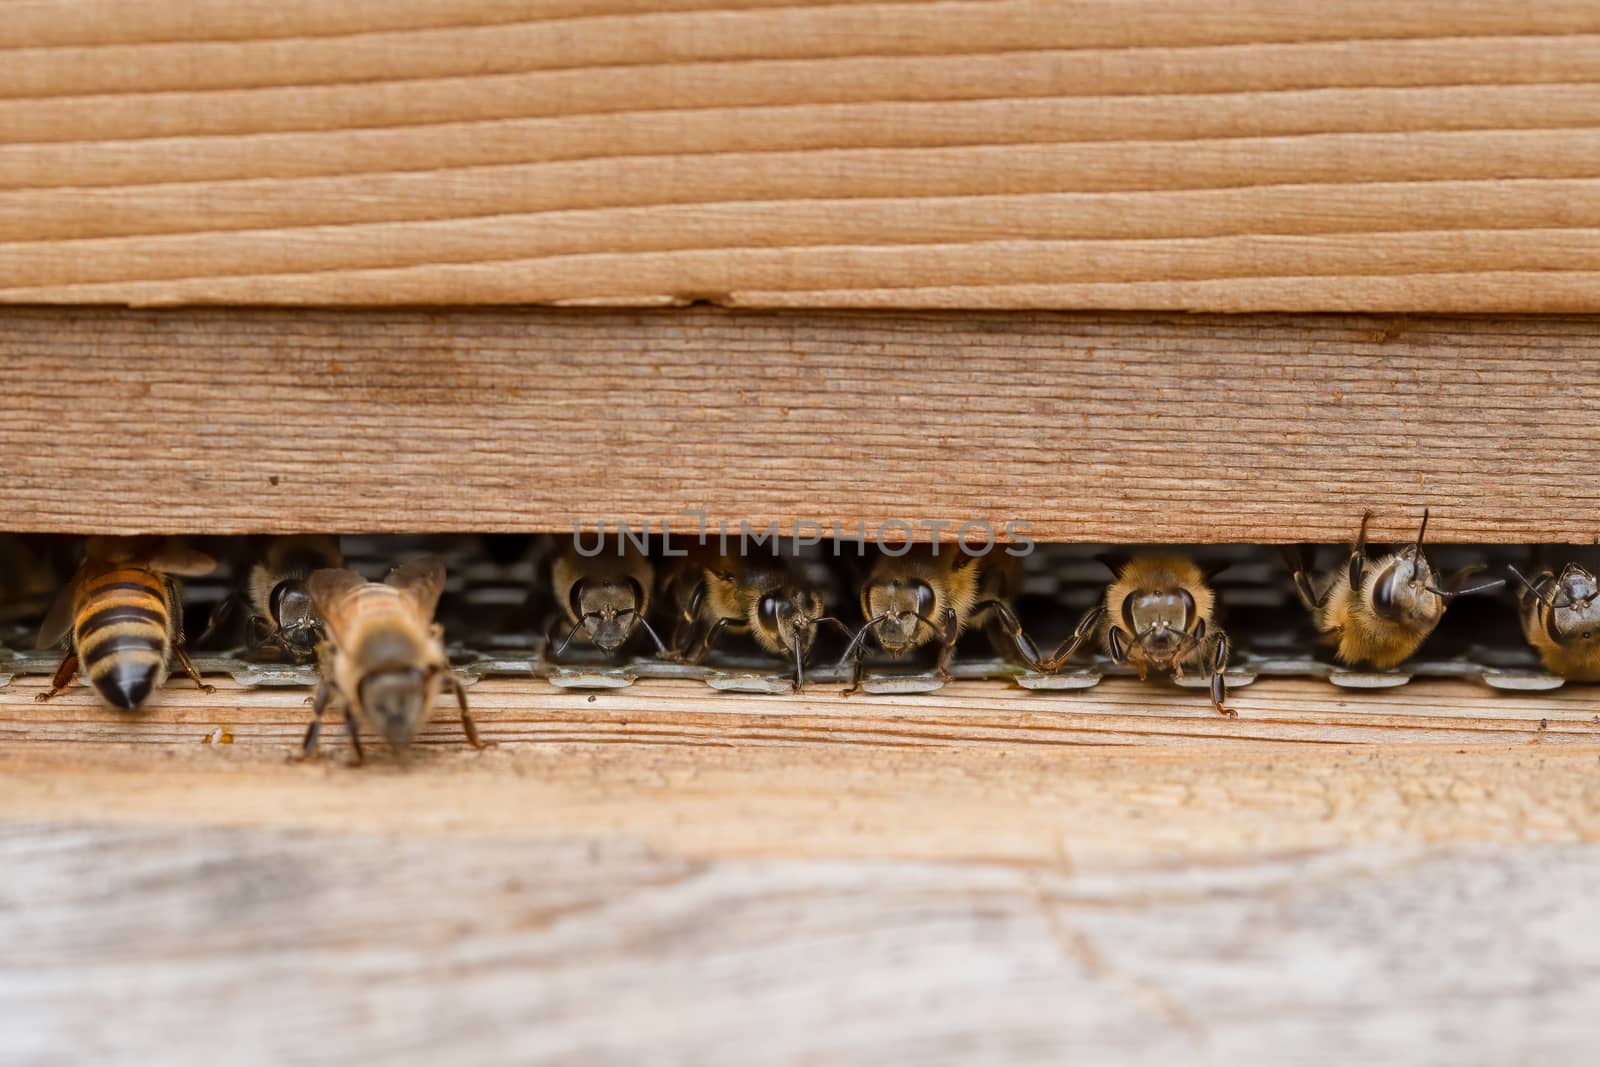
{"x": 1109, "y": 428}
{"x": 606, "y": 903}
{"x": 186, "y": 945}
{"x": 669, "y": 874}
{"x": 1427, "y": 157}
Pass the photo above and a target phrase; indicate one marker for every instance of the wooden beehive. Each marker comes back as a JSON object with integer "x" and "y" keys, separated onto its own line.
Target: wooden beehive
{"x": 1168, "y": 272}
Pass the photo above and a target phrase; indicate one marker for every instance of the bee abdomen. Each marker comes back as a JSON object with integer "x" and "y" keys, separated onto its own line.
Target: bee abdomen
{"x": 122, "y": 634}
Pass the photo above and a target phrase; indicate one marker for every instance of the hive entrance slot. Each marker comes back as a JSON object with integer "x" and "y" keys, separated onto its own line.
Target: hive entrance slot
{"x": 502, "y": 618}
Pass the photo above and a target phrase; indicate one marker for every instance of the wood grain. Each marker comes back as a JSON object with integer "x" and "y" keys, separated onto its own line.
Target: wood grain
{"x": 1118, "y": 711}
{"x": 1433, "y": 156}
{"x": 607, "y": 890}
{"x": 1109, "y": 428}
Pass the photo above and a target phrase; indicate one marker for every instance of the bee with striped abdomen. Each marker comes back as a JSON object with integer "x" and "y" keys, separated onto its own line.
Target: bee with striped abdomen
{"x": 768, "y": 599}
{"x": 1378, "y": 612}
{"x": 124, "y": 613}
{"x": 1560, "y": 616}
{"x": 383, "y": 659}
{"x": 1160, "y": 615}
{"x": 931, "y": 594}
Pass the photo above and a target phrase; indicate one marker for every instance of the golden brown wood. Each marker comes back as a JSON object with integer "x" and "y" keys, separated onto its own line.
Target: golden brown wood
{"x": 1429, "y": 156}
{"x": 1119, "y": 428}
{"x": 963, "y": 715}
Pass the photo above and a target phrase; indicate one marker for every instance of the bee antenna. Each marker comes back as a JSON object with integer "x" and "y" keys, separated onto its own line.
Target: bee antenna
{"x": 861, "y": 634}
{"x": 829, "y": 618}
{"x": 567, "y": 640}
{"x": 1546, "y": 601}
{"x": 924, "y": 620}
{"x": 1484, "y": 588}
{"x": 1421, "y": 530}
{"x": 661, "y": 648}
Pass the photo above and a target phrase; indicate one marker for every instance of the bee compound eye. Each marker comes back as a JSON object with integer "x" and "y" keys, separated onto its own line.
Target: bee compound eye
{"x": 275, "y": 599}
{"x": 1187, "y": 600}
{"x": 767, "y": 612}
{"x": 1383, "y": 594}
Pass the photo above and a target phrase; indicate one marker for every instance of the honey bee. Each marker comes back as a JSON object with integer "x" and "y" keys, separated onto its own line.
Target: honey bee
{"x": 712, "y": 595}
{"x": 1377, "y": 612}
{"x": 1160, "y": 614}
{"x": 281, "y": 616}
{"x": 124, "y": 610}
{"x": 383, "y": 659}
{"x": 931, "y": 594}
{"x": 1560, "y": 617}
{"x": 605, "y": 596}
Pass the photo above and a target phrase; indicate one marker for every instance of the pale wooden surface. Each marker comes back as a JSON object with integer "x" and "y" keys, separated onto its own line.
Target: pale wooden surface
{"x": 680, "y": 877}
{"x": 1282, "y": 154}
{"x": 1120, "y": 428}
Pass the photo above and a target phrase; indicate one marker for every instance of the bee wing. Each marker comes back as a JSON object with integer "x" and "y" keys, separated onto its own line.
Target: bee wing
{"x": 420, "y": 581}
{"x": 175, "y": 557}
{"x": 58, "y": 619}
{"x": 330, "y": 591}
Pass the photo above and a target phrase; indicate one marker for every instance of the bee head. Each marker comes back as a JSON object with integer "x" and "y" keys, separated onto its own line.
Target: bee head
{"x": 1574, "y": 614}
{"x": 608, "y": 609}
{"x": 1159, "y": 619}
{"x": 395, "y": 699}
{"x": 785, "y": 620}
{"x": 297, "y": 625}
{"x": 1406, "y": 590}
{"x": 904, "y": 609}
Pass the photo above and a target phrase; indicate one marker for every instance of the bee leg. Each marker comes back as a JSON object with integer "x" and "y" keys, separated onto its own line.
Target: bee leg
{"x": 63, "y": 675}
{"x": 357, "y": 757}
{"x": 947, "y": 645}
{"x": 857, "y": 669}
{"x": 188, "y": 668}
{"x": 713, "y": 632}
{"x": 1295, "y": 557}
{"x": 683, "y": 638}
{"x": 1084, "y": 631}
{"x": 467, "y": 724}
{"x": 1117, "y": 644}
{"x": 688, "y": 624}
{"x": 1307, "y": 593}
{"x": 1221, "y": 649}
{"x": 1117, "y": 639}
{"x": 1007, "y": 621}
{"x": 319, "y": 704}
{"x": 858, "y": 661}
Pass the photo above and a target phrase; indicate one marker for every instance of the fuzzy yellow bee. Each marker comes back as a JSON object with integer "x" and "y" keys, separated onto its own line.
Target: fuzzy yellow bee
{"x": 1560, "y": 616}
{"x": 1378, "y": 612}
{"x": 383, "y": 660}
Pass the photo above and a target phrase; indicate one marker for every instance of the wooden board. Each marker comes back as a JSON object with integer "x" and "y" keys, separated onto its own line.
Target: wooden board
{"x": 1119, "y": 711}
{"x": 1427, "y": 156}
{"x": 1109, "y": 428}
{"x": 671, "y": 875}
